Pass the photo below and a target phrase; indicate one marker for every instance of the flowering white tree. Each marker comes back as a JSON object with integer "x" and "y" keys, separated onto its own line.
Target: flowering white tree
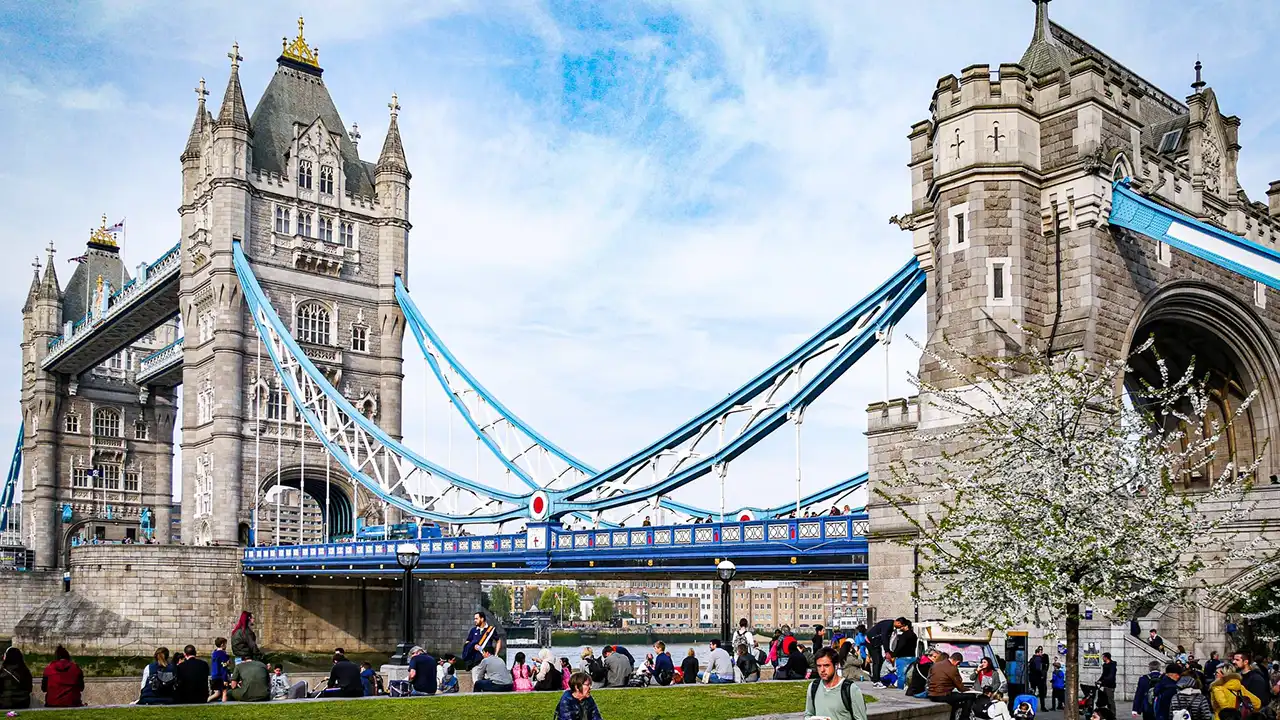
{"x": 1056, "y": 488}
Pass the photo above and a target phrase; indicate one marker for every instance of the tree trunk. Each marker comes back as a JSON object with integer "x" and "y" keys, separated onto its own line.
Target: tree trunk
{"x": 1072, "y": 709}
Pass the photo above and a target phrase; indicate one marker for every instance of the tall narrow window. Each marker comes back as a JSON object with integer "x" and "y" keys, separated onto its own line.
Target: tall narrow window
{"x": 960, "y": 229}
{"x": 326, "y": 229}
{"x": 204, "y": 402}
{"x": 80, "y": 477}
{"x": 282, "y": 219}
{"x": 140, "y": 431}
{"x": 304, "y": 174}
{"x": 71, "y": 423}
{"x": 304, "y": 224}
{"x": 206, "y": 325}
{"x": 276, "y": 403}
{"x": 326, "y": 179}
{"x": 106, "y": 423}
{"x": 132, "y": 480}
{"x": 347, "y": 234}
{"x": 997, "y": 282}
{"x": 313, "y": 323}
{"x": 359, "y": 338}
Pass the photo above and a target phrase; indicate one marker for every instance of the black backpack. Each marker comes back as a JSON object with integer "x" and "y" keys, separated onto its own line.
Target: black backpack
{"x": 162, "y": 681}
{"x": 596, "y": 669}
{"x": 845, "y": 694}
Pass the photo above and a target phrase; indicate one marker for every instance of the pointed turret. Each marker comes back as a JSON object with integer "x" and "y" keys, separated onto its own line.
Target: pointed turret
{"x": 392, "y": 157}
{"x": 233, "y": 112}
{"x": 196, "y": 138}
{"x": 1045, "y": 53}
{"x": 34, "y": 292}
{"x": 49, "y": 285}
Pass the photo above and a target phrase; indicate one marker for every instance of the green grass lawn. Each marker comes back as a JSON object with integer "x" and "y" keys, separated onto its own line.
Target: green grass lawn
{"x": 702, "y": 702}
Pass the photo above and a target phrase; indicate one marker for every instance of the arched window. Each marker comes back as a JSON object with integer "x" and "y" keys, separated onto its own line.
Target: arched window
{"x": 1120, "y": 170}
{"x": 313, "y": 323}
{"x": 106, "y": 422}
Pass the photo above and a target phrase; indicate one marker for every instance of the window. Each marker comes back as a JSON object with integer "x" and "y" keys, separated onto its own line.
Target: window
{"x": 997, "y": 282}
{"x": 347, "y": 233}
{"x": 204, "y": 402}
{"x": 276, "y": 403}
{"x": 1162, "y": 254}
{"x": 304, "y": 174}
{"x": 957, "y": 228}
{"x": 282, "y": 219}
{"x": 140, "y": 430}
{"x": 313, "y": 323}
{"x": 132, "y": 480}
{"x": 326, "y": 229}
{"x": 116, "y": 362}
{"x": 110, "y": 477}
{"x": 80, "y": 477}
{"x": 326, "y": 179}
{"x": 359, "y": 338}
{"x": 1169, "y": 141}
{"x": 71, "y": 423}
{"x": 206, "y": 325}
{"x": 999, "y": 277}
{"x": 106, "y": 423}
{"x": 304, "y": 224}
{"x": 1259, "y": 294}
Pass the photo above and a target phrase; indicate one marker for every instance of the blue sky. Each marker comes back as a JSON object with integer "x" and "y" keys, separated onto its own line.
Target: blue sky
{"x": 621, "y": 210}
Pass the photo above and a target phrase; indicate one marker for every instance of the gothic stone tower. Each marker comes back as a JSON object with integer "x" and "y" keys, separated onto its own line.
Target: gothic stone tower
{"x": 1011, "y": 184}
{"x": 326, "y": 233}
{"x": 99, "y": 420}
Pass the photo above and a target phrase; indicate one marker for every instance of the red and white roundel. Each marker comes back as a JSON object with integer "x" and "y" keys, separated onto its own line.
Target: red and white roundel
{"x": 539, "y": 505}
{"x": 746, "y": 516}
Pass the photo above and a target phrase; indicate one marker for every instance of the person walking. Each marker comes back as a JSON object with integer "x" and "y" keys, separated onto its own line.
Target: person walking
{"x": 62, "y": 682}
{"x": 1165, "y": 688}
{"x": 1144, "y": 696}
{"x": 1155, "y": 641}
{"x": 250, "y": 681}
{"x": 244, "y": 641}
{"x": 1228, "y": 692}
{"x": 1253, "y": 678}
{"x": 1107, "y": 680}
{"x": 193, "y": 679}
{"x": 1189, "y": 698}
{"x": 158, "y": 680}
{"x": 15, "y": 681}
{"x": 493, "y": 674}
{"x": 689, "y": 669}
{"x": 830, "y": 695}
{"x": 576, "y": 703}
{"x": 743, "y": 636}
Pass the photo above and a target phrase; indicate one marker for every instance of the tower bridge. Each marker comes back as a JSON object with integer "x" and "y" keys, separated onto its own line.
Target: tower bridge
{"x": 1063, "y": 196}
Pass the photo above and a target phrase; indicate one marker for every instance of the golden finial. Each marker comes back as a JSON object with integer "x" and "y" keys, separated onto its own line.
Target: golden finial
{"x": 99, "y": 284}
{"x": 298, "y": 50}
{"x": 101, "y": 236}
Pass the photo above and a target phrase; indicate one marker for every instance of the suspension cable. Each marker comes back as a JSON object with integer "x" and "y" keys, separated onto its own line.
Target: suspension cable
{"x": 257, "y": 438}
{"x": 280, "y": 410}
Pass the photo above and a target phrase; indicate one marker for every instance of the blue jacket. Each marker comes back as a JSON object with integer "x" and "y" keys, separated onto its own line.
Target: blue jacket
{"x": 662, "y": 662}
{"x": 471, "y": 656}
{"x": 1140, "y": 695}
{"x": 1166, "y": 688}
{"x": 1059, "y": 680}
{"x": 571, "y": 708}
{"x": 366, "y": 680}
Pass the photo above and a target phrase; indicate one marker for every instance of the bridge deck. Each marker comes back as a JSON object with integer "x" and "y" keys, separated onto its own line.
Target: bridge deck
{"x": 822, "y": 546}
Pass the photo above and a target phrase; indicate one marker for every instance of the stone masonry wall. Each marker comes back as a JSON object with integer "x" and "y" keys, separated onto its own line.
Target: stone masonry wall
{"x": 128, "y": 600}
{"x": 21, "y": 591}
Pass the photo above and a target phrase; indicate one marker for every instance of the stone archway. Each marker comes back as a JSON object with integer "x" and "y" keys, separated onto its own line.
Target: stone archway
{"x": 332, "y": 500}
{"x": 1232, "y": 349}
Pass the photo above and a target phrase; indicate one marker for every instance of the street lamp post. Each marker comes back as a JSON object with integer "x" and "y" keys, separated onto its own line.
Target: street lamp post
{"x": 725, "y": 571}
{"x": 407, "y": 555}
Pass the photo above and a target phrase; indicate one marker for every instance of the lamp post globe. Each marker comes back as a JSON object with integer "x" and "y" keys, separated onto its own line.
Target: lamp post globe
{"x": 407, "y": 556}
{"x": 725, "y": 570}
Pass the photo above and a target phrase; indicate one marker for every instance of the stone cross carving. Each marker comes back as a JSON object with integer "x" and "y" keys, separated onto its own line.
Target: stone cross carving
{"x": 355, "y": 134}
{"x": 957, "y": 143}
{"x": 201, "y": 92}
{"x": 235, "y": 55}
{"x": 995, "y": 136}
{"x": 394, "y": 105}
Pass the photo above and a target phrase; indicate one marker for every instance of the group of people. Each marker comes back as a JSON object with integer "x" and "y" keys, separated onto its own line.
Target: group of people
{"x": 1219, "y": 689}
{"x": 62, "y": 681}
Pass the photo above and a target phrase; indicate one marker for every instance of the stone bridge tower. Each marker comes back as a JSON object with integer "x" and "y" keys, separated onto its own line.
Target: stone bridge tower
{"x": 1011, "y": 182}
{"x": 326, "y": 233}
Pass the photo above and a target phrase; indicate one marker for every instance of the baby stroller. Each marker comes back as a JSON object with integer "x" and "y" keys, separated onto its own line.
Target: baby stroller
{"x": 1091, "y": 700}
{"x": 1025, "y": 707}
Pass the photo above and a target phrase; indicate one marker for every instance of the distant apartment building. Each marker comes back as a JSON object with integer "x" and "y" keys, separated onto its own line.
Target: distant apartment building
{"x": 708, "y": 594}
{"x": 637, "y": 606}
{"x": 677, "y": 613}
{"x": 296, "y": 526}
{"x": 799, "y": 605}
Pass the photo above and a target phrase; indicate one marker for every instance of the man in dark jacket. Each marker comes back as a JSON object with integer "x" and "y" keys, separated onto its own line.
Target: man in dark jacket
{"x": 1211, "y": 669}
{"x": 877, "y": 643}
{"x": 903, "y": 648}
{"x": 1141, "y": 708}
{"x": 193, "y": 679}
{"x": 1107, "y": 681}
{"x": 1038, "y": 673}
{"x": 344, "y": 678}
{"x": 1253, "y": 678}
{"x": 1166, "y": 688}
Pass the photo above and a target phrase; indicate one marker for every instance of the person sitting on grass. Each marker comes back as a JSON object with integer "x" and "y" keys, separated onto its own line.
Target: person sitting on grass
{"x": 193, "y": 679}
{"x": 344, "y": 678}
{"x": 422, "y": 672}
{"x": 158, "y": 680}
{"x": 492, "y": 675}
{"x": 249, "y": 681}
{"x": 689, "y": 669}
{"x": 282, "y": 689}
{"x": 63, "y": 681}
{"x": 449, "y": 683}
{"x": 576, "y": 703}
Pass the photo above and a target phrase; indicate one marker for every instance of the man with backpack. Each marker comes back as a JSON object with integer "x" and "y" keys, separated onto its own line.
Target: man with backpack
{"x": 1188, "y": 702}
{"x": 1143, "y": 700}
{"x": 832, "y": 696}
{"x": 1161, "y": 696}
{"x": 1254, "y": 679}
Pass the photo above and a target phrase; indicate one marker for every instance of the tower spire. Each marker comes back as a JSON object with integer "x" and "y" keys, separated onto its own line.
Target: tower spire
{"x": 50, "y": 281}
{"x": 1045, "y": 53}
{"x": 198, "y": 125}
{"x": 233, "y": 111}
{"x": 1199, "y": 84}
{"x": 1042, "y": 21}
{"x": 392, "y": 157}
